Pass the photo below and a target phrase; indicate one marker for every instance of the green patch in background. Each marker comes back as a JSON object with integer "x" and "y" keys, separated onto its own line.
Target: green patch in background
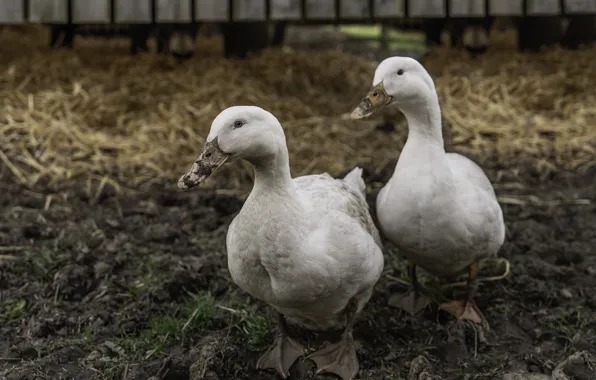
{"x": 372, "y": 35}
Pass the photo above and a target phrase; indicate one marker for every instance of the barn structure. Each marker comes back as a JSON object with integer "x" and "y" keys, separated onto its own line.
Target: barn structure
{"x": 320, "y": 11}
{"x": 245, "y": 23}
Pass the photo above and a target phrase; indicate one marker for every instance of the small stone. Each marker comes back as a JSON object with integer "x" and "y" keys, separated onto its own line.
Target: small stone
{"x": 101, "y": 269}
{"x": 114, "y": 223}
{"x": 160, "y": 232}
{"x": 93, "y": 356}
{"x": 112, "y": 349}
{"x": 547, "y": 348}
{"x": 117, "y": 244}
{"x": 148, "y": 208}
{"x": 96, "y": 239}
{"x": 566, "y": 293}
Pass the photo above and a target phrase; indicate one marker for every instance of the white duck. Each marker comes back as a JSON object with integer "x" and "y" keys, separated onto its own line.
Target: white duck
{"x": 306, "y": 246}
{"x": 438, "y": 208}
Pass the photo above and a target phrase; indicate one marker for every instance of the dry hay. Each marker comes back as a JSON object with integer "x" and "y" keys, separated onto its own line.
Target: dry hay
{"x": 99, "y": 113}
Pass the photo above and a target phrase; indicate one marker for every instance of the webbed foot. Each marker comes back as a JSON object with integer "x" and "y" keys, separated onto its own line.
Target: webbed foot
{"x": 339, "y": 358}
{"x": 281, "y": 355}
{"x": 414, "y": 300}
{"x": 411, "y": 302}
{"x": 466, "y": 310}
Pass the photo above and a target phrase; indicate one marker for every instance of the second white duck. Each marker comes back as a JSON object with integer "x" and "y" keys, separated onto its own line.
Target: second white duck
{"x": 438, "y": 208}
{"x": 306, "y": 246}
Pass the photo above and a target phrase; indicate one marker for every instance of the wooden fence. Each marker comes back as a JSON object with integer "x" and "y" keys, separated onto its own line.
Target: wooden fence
{"x": 319, "y": 11}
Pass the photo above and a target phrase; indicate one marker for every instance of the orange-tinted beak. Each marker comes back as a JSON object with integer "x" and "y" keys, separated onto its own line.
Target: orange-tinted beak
{"x": 208, "y": 162}
{"x": 376, "y": 99}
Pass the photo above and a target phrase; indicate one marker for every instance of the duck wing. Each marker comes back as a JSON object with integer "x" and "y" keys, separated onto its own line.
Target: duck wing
{"x": 347, "y": 195}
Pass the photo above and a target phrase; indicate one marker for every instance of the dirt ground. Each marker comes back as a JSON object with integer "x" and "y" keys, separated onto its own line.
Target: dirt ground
{"x": 134, "y": 285}
{"x": 128, "y": 287}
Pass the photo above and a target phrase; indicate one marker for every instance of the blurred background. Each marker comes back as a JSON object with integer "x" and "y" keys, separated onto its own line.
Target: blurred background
{"x": 108, "y": 271}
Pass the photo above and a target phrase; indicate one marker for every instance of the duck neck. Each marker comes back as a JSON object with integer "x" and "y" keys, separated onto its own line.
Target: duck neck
{"x": 423, "y": 155}
{"x": 424, "y": 125}
{"x": 274, "y": 203}
{"x": 272, "y": 174}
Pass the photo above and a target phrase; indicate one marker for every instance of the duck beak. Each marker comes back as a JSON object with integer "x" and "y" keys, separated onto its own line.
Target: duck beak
{"x": 208, "y": 162}
{"x": 376, "y": 99}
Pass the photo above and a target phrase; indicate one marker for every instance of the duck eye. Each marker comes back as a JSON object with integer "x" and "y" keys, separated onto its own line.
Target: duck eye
{"x": 238, "y": 123}
{"x": 400, "y": 72}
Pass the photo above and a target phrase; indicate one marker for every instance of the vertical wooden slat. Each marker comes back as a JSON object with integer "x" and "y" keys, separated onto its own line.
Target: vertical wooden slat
{"x": 285, "y": 9}
{"x": 211, "y": 10}
{"x": 11, "y": 12}
{"x": 467, "y": 8}
{"x": 249, "y": 10}
{"x": 506, "y": 7}
{"x": 427, "y": 8}
{"x": 50, "y": 11}
{"x": 320, "y": 9}
{"x": 133, "y": 11}
{"x": 96, "y": 11}
{"x": 389, "y": 8}
{"x": 173, "y": 11}
{"x": 543, "y": 7}
{"x": 580, "y": 6}
{"x": 353, "y": 9}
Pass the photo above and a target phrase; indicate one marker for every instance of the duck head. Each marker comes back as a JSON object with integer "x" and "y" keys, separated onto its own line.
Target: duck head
{"x": 240, "y": 132}
{"x": 399, "y": 81}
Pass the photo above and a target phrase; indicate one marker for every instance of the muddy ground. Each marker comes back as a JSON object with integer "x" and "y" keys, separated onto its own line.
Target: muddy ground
{"x": 134, "y": 286}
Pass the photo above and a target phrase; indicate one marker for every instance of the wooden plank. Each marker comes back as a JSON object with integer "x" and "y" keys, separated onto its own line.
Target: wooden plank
{"x": 506, "y": 7}
{"x": 133, "y": 11}
{"x": 211, "y": 10}
{"x": 173, "y": 11}
{"x": 427, "y": 8}
{"x": 50, "y": 11}
{"x": 580, "y": 6}
{"x": 249, "y": 10}
{"x": 285, "y": 9}
{"x": 92, "y": 12}
{"x": 11, "y": 12}
{"x": 353, "y": 9}
{"x": 389, "y": 8}
{"x": 320, "y": 9}
{"x": 543, "y": 7}
{"x": 467, "y": 8}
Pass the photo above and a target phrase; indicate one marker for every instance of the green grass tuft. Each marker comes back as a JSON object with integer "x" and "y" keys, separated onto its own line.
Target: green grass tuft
{"x": 183, "y": 326}
{"x": 11, "y": 309}
{"x": 256, "y": 330}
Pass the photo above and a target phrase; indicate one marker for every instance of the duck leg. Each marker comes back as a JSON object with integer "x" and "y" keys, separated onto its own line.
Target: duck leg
{"x": 283, "y": 352}
{"x": 340, "y": 358}
{"x": 412, "y": 301}
{"x": 467, "y": 309}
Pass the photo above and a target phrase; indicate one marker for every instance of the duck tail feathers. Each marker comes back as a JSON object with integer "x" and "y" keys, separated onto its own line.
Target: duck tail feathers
{"x": 355, "y": 181}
